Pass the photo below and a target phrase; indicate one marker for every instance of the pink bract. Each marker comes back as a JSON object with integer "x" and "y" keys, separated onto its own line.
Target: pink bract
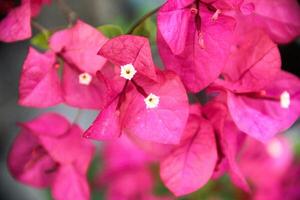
{"x": 191, "y": 164}
{"x": 263, "y": 118}
{"x": 207, "y": 44}
{"x": 39, "y": 83}
{"x": 280, "y": 18}
{"x": 133, "y": 50}
{"x": 55, "y": 156}
{"x": 16, "y": 25}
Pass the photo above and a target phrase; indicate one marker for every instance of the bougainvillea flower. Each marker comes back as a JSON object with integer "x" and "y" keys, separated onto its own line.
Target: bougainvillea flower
{"x": 264, "y": 114}
{"x": 198, "y": 48}
{"x": 280, "y": 18}
{"x": 191, "y": 164}
{"x": 151, "y": 105}
{"x": 39, "y": 84}
{"x": 229, "y": 139}
{"x": 260, "y": 105}
{"x": 273, "y": 159}
{"x": 49, "y": 152}
{"x": 126, "y": 173}
{"x": 129, "y": 113}
{"x": 77, "y": 47}
{"x": 80, "y": 86}
{"x": 15, "y": 18}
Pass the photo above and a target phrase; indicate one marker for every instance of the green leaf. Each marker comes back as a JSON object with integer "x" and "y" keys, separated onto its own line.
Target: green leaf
{"x": 40, "y": 40}
{"x": 110, "y": 30}
{"x": 146, "y": 29}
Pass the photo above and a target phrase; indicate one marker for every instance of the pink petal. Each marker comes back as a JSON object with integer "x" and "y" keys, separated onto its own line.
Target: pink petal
{"x": 273, "y": 158}
{"x": 280, "y": 18}
{"x": 165, "y": 123}
{"x": 48, "y": 124}
{"x": 173, "y": 25}
{"x": 79, "y": 45}
{"x": 27, "y": 165}
{"x": 177, "y": 4}
{"x": 192, "y": 163}
{"x": 16, "y": 25}
{"x": 116, "y": 153}
{"x": 70, "y": 184}
{"x": 107, "y": 125}
{"x": 133, "y": 50}
{"x": 132, "y": 184}
{"x": 36, "y": 6}
{"x": 79, "y": 151}
{"x": 253, "y": 56}
{"x": 91, "y": 96}
{"x": 262, "y": 119}
{"x": 230, "y": 145}
{"x": 203, "y": 58}
{"x": 39, "y": 83}
{"x": 228, "y": 137}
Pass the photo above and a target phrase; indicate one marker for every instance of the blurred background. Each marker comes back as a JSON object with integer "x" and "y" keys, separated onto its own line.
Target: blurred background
{"x": 12, "y": 55}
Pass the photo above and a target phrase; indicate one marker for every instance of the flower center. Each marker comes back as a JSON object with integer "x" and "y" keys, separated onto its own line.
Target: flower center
{"x": 85, "y": 78}
{"x": 128, "y": 71}
{"x": 151, "y": 101}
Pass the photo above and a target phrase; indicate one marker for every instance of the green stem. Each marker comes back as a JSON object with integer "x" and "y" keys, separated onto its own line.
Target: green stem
{"x": 141, "y": 20}
{"x": 40, "y": 28}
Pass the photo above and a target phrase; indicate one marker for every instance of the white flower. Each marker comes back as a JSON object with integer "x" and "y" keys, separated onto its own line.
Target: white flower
{"x": 285, "y": 100}
{"x": 128, "y": 71}
{"x": 85, "y": 78}
{"x": 151, "y": 101}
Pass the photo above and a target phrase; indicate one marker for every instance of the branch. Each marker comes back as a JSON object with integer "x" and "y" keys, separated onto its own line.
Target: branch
{"x": 39, "y": 27}
{"x": 70, "y": 14}
{"x": 140, "y": 21}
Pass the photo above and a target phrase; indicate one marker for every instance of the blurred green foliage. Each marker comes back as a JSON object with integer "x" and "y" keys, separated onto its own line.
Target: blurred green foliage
{"x": 111, "y": 30}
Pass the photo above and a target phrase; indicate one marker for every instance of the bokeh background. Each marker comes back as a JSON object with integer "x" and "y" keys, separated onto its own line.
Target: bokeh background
{"x": 96, "y": 13}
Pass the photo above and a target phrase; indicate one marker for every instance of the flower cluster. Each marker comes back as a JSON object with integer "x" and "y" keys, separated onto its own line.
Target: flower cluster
{"x": 226, "y": 49}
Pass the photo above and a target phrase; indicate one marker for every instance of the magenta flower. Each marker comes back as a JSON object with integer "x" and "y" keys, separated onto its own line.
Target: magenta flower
{"x": 274, "y": 159}
{"x": 260, "y": 105}
{"x": 194, "y": 40}
{"x": 191, "y": 164}
{"x": 80, "y": 86}
{"x": 44, "y": 155}
{"x": 15, "y": 18}
{"x": 152, "y": 104}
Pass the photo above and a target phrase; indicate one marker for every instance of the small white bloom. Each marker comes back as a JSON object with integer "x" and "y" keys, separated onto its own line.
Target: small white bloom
{"x": 151, "y": 101}
{"x": 128, "y": 71}
{"x": 85, "y": 78}
{"x": 275, "y": 148}
{"x": 285, "y": 100}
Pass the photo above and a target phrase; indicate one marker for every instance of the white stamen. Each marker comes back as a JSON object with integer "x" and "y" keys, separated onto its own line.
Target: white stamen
{"x": 85, "y": 78}
{"x": 151, "y": 101}
{"x": 216, "y": 15}
{"x": 128, "y": 71}
{"x": 275, "y": 148}
{"x": 285, "y": 100}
